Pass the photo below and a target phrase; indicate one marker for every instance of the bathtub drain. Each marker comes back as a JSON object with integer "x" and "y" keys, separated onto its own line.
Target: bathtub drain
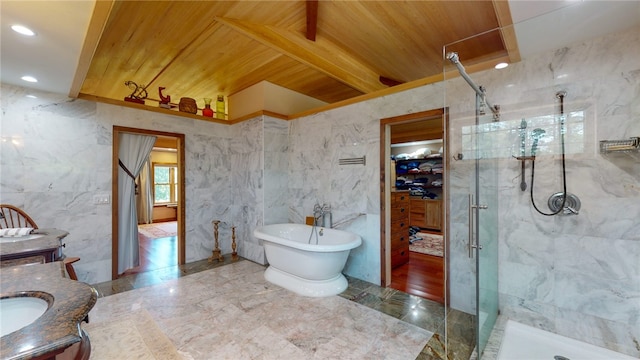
{"x": 560, "y": 357}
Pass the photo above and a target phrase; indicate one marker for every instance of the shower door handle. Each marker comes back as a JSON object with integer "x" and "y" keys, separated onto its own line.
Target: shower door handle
{"x": 470, "y": 245}
{"x": 472, "y": 242}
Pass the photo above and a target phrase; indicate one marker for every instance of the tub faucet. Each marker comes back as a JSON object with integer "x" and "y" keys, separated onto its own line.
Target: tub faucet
{"x": 321, "y": 212}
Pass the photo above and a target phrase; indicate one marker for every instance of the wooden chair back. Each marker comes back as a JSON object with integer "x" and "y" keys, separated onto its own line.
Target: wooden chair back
{"x": 13, "y": 217}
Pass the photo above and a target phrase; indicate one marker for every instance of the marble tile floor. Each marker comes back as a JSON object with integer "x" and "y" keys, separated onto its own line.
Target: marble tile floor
{"x": 425, "y": 315}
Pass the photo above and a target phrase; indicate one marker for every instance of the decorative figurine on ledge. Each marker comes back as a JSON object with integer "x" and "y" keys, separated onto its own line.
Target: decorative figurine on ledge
{"x": 165, "y": 101}
{"x": 188, "y": 105}
{"x": 207, "y": 111}
{"x": 139, "y": 93}
{"x": 220, "y": 107}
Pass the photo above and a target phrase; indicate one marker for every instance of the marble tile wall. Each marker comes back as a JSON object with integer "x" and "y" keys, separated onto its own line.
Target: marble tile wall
{"x": 260, "y": 180}
{"x": 276, "y": 170}
{"x": 247, "y": 189}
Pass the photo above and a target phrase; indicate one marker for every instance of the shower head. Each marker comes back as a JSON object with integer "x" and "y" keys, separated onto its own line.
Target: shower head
{"x": 453, "y": 57}
{"x": 536, "y": 134}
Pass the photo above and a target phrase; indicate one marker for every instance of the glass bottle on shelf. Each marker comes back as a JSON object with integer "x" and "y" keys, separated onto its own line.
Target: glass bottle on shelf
{"x": 207, "y": 111}
{"x": 220, "y": 108}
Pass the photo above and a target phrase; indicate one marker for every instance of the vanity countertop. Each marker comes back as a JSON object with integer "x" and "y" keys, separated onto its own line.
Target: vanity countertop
{"x": 58, "y": 327}
{"x": 49, "y": 240}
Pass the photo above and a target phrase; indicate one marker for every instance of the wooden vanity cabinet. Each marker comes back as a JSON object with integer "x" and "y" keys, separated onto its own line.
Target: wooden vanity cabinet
{"x": 45, "y": 249}
{"x": 38, "y": 256}
{"x": 426, "y": 214}
{"x": 399, "y": 228}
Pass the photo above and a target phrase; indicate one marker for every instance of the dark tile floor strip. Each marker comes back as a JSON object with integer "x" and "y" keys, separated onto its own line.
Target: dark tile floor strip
{"x": 420, "y": 312}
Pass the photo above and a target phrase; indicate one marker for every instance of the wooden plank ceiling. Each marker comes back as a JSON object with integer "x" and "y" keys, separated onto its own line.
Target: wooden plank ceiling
{"x": 200, "y": 49}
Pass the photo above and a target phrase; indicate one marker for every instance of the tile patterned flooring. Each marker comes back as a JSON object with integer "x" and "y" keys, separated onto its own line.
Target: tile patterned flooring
{"x": 421, "y": 313}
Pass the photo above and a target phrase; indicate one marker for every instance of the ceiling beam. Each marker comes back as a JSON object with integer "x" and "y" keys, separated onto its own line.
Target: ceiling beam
{"x": 320, "y": 55}
{"x": 312, "y": 19}
{"x": 507, "y": 30}
{"x": 98, "y": 21}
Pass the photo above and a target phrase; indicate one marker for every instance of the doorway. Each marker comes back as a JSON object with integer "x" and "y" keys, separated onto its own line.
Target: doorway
{"x": 414, "y": 203}
{"x": 173, "y": 142}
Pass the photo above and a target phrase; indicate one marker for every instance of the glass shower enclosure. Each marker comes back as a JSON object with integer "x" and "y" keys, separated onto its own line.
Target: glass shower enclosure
{"x": 473, "y": 247}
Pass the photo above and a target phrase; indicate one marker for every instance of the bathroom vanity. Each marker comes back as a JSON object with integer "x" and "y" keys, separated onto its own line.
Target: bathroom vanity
{"x": 41, "y": 246}
{"x": 55, "y": 332}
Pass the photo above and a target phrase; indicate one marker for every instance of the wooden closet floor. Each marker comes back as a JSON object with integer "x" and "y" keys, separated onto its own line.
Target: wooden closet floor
{"x": 422, "y": 276}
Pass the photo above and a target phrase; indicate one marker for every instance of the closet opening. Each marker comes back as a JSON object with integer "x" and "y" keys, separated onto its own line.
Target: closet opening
{"x": 414, "y": 204}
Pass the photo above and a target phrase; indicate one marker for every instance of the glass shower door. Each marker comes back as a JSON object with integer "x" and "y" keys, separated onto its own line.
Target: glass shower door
{"x": 484, "y": 247}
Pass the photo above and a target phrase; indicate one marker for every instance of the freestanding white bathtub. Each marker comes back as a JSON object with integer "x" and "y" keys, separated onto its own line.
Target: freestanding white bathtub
{"x": 308, "y": 269}
{"x": 524, "y": 342}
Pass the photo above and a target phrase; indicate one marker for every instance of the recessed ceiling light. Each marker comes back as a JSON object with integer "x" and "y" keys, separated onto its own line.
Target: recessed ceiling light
{"x": 501, "y": 65}
{"x": 29, "y": 79}
{"x": 23, "y": 30}
{"x": 32, "y": 96}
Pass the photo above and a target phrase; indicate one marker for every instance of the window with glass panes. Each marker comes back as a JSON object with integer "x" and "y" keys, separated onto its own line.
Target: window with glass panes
{"x": 165, "y": 183}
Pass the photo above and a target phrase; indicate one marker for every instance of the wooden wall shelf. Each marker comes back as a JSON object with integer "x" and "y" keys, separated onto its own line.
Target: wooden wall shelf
{"x": 160, "y": 110}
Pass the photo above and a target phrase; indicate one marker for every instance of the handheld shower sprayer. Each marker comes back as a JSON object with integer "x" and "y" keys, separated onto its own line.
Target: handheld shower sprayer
{"x": 523, "y": 136}
{"x": 561, "y": 202}
{"x": 523, "y": 139}
{"x": 537, "y": 134}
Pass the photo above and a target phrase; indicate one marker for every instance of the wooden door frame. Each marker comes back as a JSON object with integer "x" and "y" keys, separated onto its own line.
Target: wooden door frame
{"x": 385, "y": 191}
{"x": 117, "y": 130}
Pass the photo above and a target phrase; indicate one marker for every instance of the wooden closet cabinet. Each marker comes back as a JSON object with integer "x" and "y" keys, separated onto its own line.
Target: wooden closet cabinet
{"x": 399, "y": 228}
{"x": 426, "y": 214}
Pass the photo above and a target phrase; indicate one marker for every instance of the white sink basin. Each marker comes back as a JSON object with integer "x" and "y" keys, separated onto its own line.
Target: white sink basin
{"x": 8, "y": 239}
{"x": 18, "y": 312}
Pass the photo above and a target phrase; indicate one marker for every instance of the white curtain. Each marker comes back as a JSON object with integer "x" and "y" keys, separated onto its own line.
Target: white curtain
{"x": 133, "y": 151}
{"x": 144, "y": 198}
